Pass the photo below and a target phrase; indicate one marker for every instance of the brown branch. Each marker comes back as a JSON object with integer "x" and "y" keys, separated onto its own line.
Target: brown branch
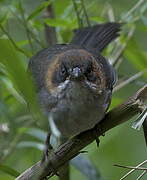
{"x": 50, "y": 32}
{"x": 73, "y": 146}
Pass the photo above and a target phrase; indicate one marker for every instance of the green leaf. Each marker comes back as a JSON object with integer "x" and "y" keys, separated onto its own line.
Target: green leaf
{"x": 8, "y": 170}
{"x": 115, "y": 102}
{"x": 12, "y": 90}
{"x": 136, "y": 55}
{"x": 38, "y": 10}
{"x": 22, "y": 43}
{"x": 58, "y": 22}
{"x": 37, "y": 133}
{"x": 31, "y": 144}
{"x": 98, "y": 19}
{"x": 4, "y": 18}
{"x": 16, "y": 72}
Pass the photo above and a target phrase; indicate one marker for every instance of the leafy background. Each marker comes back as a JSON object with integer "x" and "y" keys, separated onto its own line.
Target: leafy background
{"x": 22, "y": 126}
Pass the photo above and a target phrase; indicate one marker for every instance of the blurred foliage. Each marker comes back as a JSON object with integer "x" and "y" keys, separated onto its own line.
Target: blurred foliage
{"x": 22, "y": 126}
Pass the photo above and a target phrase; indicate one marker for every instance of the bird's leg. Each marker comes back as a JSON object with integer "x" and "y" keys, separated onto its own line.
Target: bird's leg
{"x": 47, "y": 152}
{"x": 97, "y": 140}
{"x": 97, "y": 129}
{"x": 48, "y": 148}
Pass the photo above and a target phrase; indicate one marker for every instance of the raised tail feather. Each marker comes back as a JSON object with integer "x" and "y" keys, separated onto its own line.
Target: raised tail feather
{"x": 98, "y": 36}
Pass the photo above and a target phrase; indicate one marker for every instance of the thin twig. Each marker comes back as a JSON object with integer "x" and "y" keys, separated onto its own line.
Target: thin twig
{"x": 141, "y": 175}
{"x": 31, "y": 32}
{"x": 85, "y": 13}
{"x": 26, "y": 26}
{"x": 35, "y": 39}
{"x": 104, "y": 9}
{"x": 133, "y": 8}
{"x": 77, "y": 14}
{"x": 119, "y": 52}
{"x": 117, "y": 65}
{"x": 131, "y": 167}
{"x": 128, "y": 81}
{"x": 110, "y": 13}
{"x": 126, "y": 175}
{"x": 13, "y": 42}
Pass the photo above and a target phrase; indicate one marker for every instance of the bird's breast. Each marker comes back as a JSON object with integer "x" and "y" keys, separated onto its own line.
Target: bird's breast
{"x": 78, "y": 109}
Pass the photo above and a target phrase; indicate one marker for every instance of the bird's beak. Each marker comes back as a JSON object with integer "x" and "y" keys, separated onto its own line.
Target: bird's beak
{"x": 76, "y": 73}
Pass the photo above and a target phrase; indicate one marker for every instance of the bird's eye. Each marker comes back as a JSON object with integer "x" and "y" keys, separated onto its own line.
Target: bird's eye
{"x": 63, "y": 71}
{"x": 59, "y": 75}
{"x": 91, "y": 75}
{"x": 89, "y": 71}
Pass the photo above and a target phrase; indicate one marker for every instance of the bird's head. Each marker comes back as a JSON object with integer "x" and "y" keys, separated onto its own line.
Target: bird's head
{"x": 77, "y": 67}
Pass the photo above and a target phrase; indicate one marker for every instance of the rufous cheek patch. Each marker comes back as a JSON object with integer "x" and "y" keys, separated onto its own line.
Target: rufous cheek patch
{"x": 53, "y": 67}
{"x": 97, "y": 69}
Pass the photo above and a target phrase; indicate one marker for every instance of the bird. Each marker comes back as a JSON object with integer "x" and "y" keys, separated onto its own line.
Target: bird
{"x": 74, "y": 81}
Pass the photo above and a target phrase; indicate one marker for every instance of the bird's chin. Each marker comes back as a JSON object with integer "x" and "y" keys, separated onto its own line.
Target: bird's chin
{"x": 60, "y": 89}
{"x": 93, "y": 87}
{"x": 77, "y": 96}
{"x": 76, "y": 87}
